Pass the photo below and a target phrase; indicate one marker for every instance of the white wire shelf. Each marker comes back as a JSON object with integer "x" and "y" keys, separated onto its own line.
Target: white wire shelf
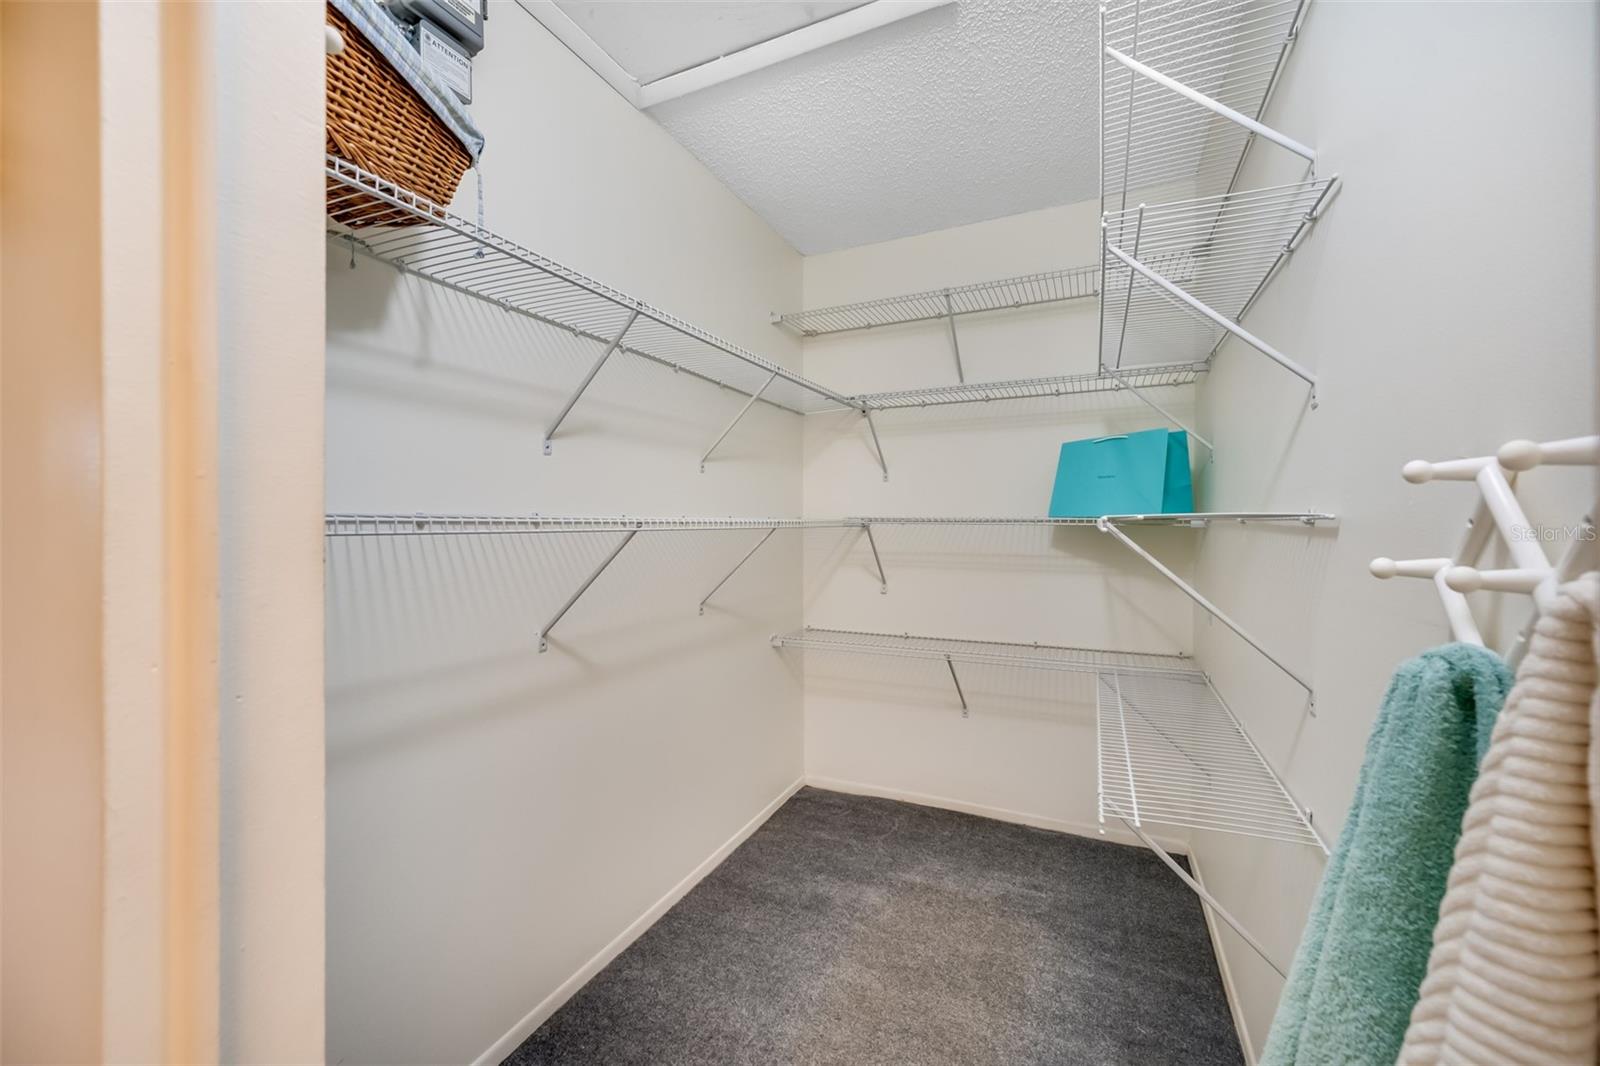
{"x": 1028, "y": 290}
{"x": 1171, "y": 752}
{"x": 1152, "y": 137}
{"x": 1194, "y": 518}
{"x": 983, "y": 652}
{"x": 1219, "y": 250}
{"x": 425, "y": 239}
{"x": 428, "y": 525}
{"x": 1142, "y": 377}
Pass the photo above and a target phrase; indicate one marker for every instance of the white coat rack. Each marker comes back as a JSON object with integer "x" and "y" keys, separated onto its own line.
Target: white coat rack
{"x": 1498, "y": 510}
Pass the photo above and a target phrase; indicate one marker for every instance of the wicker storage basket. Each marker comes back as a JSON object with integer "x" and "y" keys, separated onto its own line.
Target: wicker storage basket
{"x": 379, "y": 123}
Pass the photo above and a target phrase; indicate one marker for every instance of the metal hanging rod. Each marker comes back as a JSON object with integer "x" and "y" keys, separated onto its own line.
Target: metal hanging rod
{"x": 1110, "y": 525}
{"x": 456, "y": 253}
{"x": 1027, "y": 290}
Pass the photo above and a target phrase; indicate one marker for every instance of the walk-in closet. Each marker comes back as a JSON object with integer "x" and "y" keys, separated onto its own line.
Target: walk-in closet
{"x": 735, "y": 654}
{"x": 751, "y": 532}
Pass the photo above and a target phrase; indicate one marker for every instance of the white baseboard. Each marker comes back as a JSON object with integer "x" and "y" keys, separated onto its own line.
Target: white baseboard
{"x": 568, "y": 988}
{"x": 1000, "y": 814}
{"x": 1214, "y": 928}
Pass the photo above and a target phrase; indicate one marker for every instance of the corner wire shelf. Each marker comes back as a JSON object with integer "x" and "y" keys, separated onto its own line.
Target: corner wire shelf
{"x": 426, "y": 240}
{"x": 1183, "y": 88}
{"x": 1168, "y": 265}
{"x": 1154, "y": 138}
{"x": 1114, "y": 526}
{"x": 1171, "y": 751}
{"x": 1168, "y": 749}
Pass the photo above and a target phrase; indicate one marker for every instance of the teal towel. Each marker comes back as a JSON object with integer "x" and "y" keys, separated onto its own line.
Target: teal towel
{"x": 1365, "y": 949}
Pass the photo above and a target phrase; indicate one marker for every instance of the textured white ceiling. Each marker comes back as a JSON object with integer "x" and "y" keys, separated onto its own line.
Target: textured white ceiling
{"x": 651, "y": 39}
{"x": 976, "y": 110}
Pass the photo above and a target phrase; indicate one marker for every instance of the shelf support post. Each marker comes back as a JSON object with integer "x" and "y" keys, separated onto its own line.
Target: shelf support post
{"x": 1217, "y": 319}
{"x": 876, "y": 444}
{"x": 1105, "y": 525}
{"x": 544, "y": 633}
{"x": 955, "y": 345}
{"x": 1215, "y": 106}
{"x": 616, "y": 343}
{"x": 883, "y": 582}
{"x": 1205, "y": 897}
{"x": 1127, "y": 301}
{"x": 754, "y": 396}
{"x": 959, "y": 694}
{"x": 736, "y": 567}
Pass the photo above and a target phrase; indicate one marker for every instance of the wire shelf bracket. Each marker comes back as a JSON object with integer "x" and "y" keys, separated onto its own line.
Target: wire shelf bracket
{"x": 736, "y": 567}
{"x": 1216, "y": 107}
{"x": 544, "y": 631}
{"x": 1110, "y": 525}
{"x": 572, "y": 400}
{"x": 751, "y": 402}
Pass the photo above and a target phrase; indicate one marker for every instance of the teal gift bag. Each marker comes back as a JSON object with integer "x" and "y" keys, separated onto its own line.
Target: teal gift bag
{"x": 1128, "y": 473}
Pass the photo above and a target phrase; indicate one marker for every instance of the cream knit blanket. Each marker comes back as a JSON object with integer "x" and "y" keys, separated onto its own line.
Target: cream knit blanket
{"x": 1514, "y": 975}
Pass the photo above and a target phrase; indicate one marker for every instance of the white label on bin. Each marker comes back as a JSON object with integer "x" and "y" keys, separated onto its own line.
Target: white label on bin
{"x": 468, "y": 12}
{"x": 446, "y": 62}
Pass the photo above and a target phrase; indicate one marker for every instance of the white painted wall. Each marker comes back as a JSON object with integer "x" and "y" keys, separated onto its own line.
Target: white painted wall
{"x": 498, "y": 816}
{"x": 1447, "y": 300}
{"x": 895, "y": 725}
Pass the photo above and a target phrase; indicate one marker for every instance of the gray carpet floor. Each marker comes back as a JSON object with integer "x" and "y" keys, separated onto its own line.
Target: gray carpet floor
{"x": 866, "y": 931}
